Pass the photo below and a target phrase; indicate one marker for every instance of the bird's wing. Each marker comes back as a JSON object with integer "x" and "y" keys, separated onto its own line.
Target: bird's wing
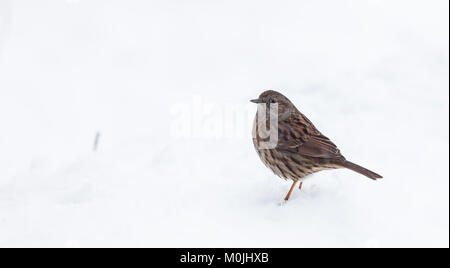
{"x": 303, "y": 138}
{"x": 319, "y": 146}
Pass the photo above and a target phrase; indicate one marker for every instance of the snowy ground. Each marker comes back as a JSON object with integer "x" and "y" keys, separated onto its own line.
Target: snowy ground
{"x": 372, "y": 75}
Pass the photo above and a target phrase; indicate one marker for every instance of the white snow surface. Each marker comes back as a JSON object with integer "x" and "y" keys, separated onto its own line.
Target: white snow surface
{"x": 372, "y": 75}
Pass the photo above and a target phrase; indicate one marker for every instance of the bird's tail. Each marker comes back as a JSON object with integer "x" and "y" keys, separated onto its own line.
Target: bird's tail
{"x": 361, "y": 170}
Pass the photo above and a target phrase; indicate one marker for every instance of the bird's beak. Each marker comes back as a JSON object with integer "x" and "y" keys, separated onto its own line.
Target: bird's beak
{"x": 256, "y": 101}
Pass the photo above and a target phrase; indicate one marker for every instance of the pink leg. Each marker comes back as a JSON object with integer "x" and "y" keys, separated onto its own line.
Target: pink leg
{"x": 290, "y": 191}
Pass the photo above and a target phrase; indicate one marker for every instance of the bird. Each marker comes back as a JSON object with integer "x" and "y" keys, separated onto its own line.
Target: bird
{"x": 290, "y": 145}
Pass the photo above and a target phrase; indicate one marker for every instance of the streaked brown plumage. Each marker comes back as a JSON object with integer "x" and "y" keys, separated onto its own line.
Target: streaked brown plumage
{"x": 300, "y": 149}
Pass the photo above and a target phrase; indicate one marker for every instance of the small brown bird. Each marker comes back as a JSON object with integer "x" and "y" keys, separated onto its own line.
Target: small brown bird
{"x": 290, "y": 145}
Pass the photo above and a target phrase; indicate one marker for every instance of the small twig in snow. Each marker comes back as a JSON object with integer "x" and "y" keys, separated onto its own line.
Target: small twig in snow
{"x": 96, "y": 141}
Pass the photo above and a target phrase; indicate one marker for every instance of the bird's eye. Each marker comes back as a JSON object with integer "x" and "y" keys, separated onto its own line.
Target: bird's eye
{"x": 272, "y": 101}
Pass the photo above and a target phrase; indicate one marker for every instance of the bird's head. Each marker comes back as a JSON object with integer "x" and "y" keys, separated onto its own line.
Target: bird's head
{"x": 285, "y": 106}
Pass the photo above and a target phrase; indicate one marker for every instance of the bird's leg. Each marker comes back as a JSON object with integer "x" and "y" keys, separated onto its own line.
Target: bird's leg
{"x": 290, "y": 191}
{"x": 300, "y": 186}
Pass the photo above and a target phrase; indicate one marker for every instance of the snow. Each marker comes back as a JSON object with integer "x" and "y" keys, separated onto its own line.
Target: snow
{"x": 167, "y": 85}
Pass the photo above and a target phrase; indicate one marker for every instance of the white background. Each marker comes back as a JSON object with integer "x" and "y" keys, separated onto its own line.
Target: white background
{"x": 372, "y": 76}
